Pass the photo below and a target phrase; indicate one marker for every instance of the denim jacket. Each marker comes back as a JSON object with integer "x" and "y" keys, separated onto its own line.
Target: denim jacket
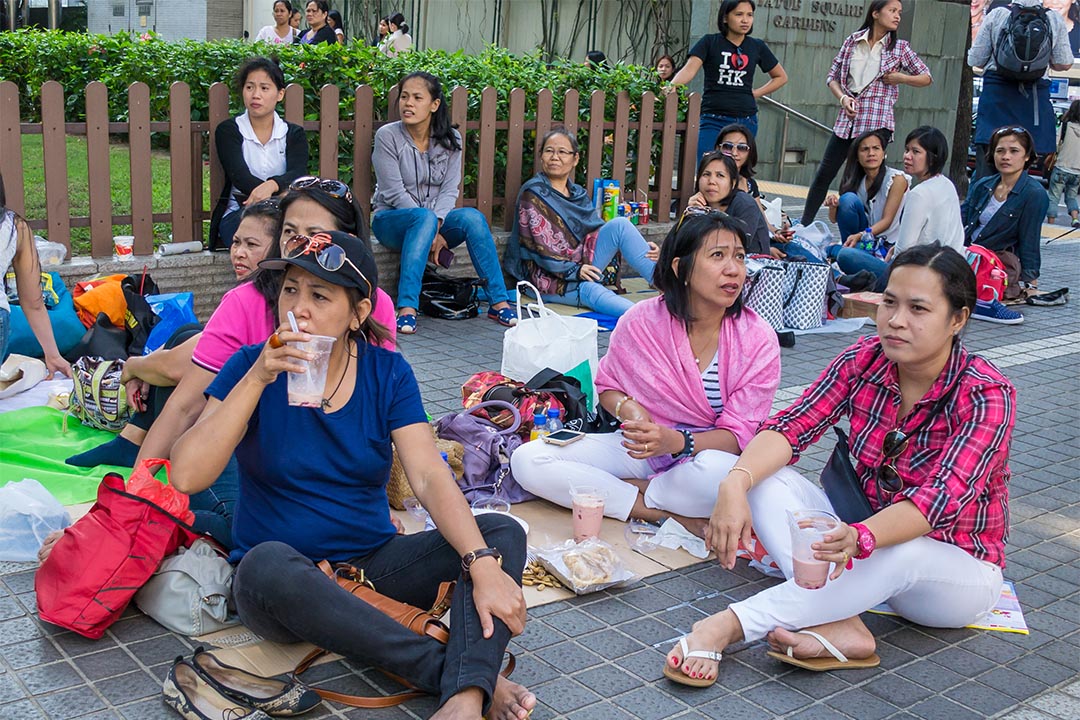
{"x": 1016, "y": 226}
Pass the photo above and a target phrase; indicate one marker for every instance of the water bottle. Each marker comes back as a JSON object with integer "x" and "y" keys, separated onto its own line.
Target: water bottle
{"x": 554, "y": 424}
{"x": 867, "y": 242}
{"x": 539, "y": 428}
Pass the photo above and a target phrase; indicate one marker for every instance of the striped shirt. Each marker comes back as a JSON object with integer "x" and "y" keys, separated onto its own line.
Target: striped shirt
{"x": 955, "y": 470}
{"x": 711, "y": 380}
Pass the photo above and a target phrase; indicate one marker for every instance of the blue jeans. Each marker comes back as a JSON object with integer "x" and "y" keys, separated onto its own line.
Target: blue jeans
{"x": 283, "y": 597}
{"x": 617, "y": 235}
{"x": 411, "y": 231}
{"x": 5, "y": 333}
{"x": 1070, "y": 182}
{"x": 851, "y": 216}
{"x": 213, "y": 507}
{"x": 852, "y": 260}
{"x": 711, "y": 125}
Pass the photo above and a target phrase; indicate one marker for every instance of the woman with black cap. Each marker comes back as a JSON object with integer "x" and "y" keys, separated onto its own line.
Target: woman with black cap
{"x": 313, "y": 487}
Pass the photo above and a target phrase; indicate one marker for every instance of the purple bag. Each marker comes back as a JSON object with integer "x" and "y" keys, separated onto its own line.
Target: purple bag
{"x": 487, "y": 452}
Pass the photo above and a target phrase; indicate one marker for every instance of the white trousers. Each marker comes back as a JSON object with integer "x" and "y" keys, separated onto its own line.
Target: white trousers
{"x": 926, "y": 581}
{"x": 600, "y": 460}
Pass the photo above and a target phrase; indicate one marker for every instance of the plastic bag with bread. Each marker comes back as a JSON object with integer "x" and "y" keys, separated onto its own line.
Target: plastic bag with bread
{"x": 587, "y": 566}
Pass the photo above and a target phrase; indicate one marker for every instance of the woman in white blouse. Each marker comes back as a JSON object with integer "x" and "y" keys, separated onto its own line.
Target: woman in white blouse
{"x": 281, "y": 32}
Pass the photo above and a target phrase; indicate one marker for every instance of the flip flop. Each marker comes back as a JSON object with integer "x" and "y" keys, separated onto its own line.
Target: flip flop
{"x": 677, "y": 675}
{"x": 838, "y": 661}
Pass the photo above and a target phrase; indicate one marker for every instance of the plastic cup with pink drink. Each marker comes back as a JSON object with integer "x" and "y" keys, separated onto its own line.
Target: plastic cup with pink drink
{"x": 588, "y": 508}
{"x": 809, "y": 527}
{"x": 306, "y": 389}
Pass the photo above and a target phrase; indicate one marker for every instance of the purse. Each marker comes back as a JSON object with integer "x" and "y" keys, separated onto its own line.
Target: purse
{"x": 191, "y": 592}
{"x": 421, "y": 622}
{"x": 449, "y": 298}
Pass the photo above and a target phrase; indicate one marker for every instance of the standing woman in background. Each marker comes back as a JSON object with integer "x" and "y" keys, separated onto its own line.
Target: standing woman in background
{"x": 665, "y": 68}
{"x": 317, "y": 12}
{"x": 1066, "y": 173}
{"x": 730, "y": 58}
{"x": 399, "y": 40}
{"x": 864, "y": 78}
{"x": 333, "y": 18}
{"x": 280, "y": 33}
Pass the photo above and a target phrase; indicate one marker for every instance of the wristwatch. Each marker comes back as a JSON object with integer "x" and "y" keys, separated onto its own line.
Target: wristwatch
{"x": 865, "y": 542}
{"x": 471, "y": 557}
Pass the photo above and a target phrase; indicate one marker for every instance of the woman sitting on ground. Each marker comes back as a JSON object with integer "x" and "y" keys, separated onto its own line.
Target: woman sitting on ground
{"x": 871, "y": 196}
{"x": 718, "y": 189}
{"x": 417, "y": 162}
{"x": 932, "y": 208}
{"x": 18, "y": 251}
{"x": 935, "y": 475}
{"x": 690, "y": 375}
{"x": 561, "y": 245}
{"x": 259, "y": 152}
{"x": 313, "y": 487}
{"x": 1003, "y": 212}
{"x": 317, "y": 14}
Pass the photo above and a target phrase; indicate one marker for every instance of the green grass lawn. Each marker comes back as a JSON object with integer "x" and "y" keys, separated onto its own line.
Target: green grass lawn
{"x": 78, "y": 187}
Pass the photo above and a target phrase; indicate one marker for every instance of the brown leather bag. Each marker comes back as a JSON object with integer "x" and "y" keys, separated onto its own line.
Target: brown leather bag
{"x": 421, "y": 622}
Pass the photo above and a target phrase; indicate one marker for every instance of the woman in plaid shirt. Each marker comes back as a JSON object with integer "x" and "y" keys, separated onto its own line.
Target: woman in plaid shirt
{"x": 865, "y": 78}
{"x": 939, "y": 492}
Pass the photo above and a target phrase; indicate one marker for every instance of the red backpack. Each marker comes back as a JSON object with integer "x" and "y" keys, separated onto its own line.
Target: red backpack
{"x": 990, "y": 275}
{"x": 95, "y": 569}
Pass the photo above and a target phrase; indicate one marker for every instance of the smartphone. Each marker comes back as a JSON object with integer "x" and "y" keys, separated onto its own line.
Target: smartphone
{"x": 563, "y": 437}
{"x": 446, "y": 258}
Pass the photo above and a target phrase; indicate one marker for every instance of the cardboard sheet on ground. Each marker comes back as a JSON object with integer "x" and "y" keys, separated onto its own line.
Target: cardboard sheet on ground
{"x": 35, "y": 446}
{"x": 1005, "y": 616}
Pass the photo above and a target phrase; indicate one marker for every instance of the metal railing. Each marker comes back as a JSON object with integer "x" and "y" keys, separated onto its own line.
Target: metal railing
{"x": 788, "y": 112}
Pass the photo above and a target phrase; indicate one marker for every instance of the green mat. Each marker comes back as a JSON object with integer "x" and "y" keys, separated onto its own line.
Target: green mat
{"x": 34, "y": 445}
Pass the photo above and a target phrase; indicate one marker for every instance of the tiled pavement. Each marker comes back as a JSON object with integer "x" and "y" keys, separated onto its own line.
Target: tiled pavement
{"x": 600, "y": 656}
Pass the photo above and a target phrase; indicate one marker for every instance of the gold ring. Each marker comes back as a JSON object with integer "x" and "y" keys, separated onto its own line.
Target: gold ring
{"x": 275, "y": 341}
{"x": 846, "y": 557}
{"x": 646, "y": 447}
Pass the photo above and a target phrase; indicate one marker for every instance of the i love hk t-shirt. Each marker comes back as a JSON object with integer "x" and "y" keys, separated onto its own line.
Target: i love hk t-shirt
{"x": 729, "y": 73}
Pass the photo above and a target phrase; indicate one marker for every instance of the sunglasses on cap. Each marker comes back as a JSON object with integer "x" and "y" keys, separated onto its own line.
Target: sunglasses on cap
{"x": 730, "y": 147}
{"x": 328, "y": 254}
{"x": 334, "y": 188}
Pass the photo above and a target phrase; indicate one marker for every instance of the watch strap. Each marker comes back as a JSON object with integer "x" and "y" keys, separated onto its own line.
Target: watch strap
{"x": 469, "y": 558}
{"x": 866, "y": 542}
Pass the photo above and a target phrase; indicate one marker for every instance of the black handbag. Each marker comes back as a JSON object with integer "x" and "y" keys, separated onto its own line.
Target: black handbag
{"x": 842, "y": 484}
{"x": 449, "y": 298}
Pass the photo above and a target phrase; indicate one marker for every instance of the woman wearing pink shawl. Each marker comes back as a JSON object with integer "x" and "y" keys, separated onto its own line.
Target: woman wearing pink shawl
{"x": 690, "y": 375}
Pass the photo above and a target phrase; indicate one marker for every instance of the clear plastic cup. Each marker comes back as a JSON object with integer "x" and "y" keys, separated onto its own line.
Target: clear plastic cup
{"x": 490, "y": 503}
{"x": 809, "y": 527}
{"x": 124, "y": 247}
{"x": 588, "y": 511}
{"x": 307, "y": 389}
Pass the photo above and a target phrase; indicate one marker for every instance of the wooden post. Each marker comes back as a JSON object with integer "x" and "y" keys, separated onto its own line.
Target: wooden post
{"x": 621, "y": 138}
{"x": 54, "y": 150}
{"x": 485, "y": 174}
{"x": 219, "y": 113}
{"x": 515, "y": 130}
{"x": 667, "y": 157}
{"x": 543, "y": 121}
{"x": 179, "y": 165}
{"x": 142, "y": 204}
{"x": 596, "y": 138}
{"x": 459, "y": 115}
{"x": 329, "y": 107}
{"x": 97, "y": 164}
{"x": 645, "y": 137}
{"x": 688, "y": 169}
{"x": 11, "y": 156}
{"x": 363, "y": 144}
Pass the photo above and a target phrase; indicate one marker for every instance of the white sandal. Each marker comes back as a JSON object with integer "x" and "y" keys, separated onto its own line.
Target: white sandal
{"x": 679, "y": 676}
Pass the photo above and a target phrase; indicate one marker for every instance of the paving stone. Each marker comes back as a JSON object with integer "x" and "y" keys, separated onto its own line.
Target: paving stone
{"x": 97, "y": 666}
{"x": 10, "y": 608}
{"x": 19, "y": 582}
{"x": 649, "y": 599}
{"x": 647, "y": 664}
{"x": 984, "y": 700}
{"x": 73, "y": 703}
{"x": 915, "y": 642}
{"x": 392, "y": 713}
{"x": 1028, "y": 714}
{"x": 159, "y": 649}
{"x": 537, "y": 635}
{"x": 612, "y": 611}
{"x": 817, "y": 685}
{"x": 20, "y": 710}
{"x": 610, "y": 644}
{"x": 45, "y": 678}
{"x": 682, "y": 618}
{"x": 776, "y": 698}
{"x": 129, "y": 687}
{"x": 648, "y": 703}
{"x": 939, "y": 708}
{"x": 139, "y": 627}
{"x": 1013, "y": 683}
{"x": 75, "y": 645}
{"x": 564, "y": 695}
{"x": 10, "y": 689}
{"x": 1042, "y": 669}
{"x": 966, "y": 663}
{"x": 568, "y": 657}
{"x": 717, "y": 578}
{"x": 649, "y": 631}
{"x": 18, "y": 630}
{"x": 573, "y": 622}
{"x": 685, "y": 588}
{"x": 31, "y": 652}
{"x": 600, "y": 711}
{"x": 896, "y": 690}
{"x": 608, "y": 680}
{"x": 860, "y": 704}
{"x": 530, "y": 671}
{"x": 735, "y": 675}
{"x": 154, "y": 709}
{"x": 733, "y": 708}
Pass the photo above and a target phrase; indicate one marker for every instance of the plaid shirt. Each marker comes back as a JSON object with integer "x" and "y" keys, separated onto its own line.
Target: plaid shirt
{"x": 877, "y": 99}
{"x": 955, "y": 469}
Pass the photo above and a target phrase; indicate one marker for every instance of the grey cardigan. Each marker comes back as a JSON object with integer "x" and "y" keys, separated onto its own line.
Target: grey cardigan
{"x": 407, "y": 178}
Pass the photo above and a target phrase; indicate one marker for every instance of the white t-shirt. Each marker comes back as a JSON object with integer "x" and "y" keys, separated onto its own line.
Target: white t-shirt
{"x": 931, "y": 214}
{"x": 9, "y": 241}
{"x": 264, "y": 161}
{"x": 269, "y": 34}
{"x": 987, "y": 214}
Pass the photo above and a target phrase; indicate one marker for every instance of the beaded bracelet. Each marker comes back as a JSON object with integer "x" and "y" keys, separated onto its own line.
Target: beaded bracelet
{"x": 748, "y": 474}
{"x": 688, "y": 445}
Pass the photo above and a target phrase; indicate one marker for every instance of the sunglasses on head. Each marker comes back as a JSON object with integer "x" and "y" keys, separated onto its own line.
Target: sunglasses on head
{"x": 697, "y": 211}
{"x": 730, "y": 147}
{"x": 1014, "y": 130}
{"x": 334, "y": 188}
{"x": 328, "y": 254}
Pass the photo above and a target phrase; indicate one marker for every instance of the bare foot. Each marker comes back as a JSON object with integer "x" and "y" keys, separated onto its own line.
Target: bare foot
{"x": 47, "y": 545}
{"x": 510, "y": 701}
{"x": 850, "y": 637}
{"x": 466, "y": 705}
{"x": 713, "y": 633}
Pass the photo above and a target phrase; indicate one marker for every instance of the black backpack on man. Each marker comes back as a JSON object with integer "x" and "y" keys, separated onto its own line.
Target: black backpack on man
{"x": 1023, "y": 49}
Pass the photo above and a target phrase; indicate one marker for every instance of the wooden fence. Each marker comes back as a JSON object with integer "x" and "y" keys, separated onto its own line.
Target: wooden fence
{"x": 188, "y": 139}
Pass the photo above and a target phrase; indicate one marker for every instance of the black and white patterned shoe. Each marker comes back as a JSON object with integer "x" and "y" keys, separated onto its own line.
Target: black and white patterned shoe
{"x": 274, "y": 697}
{"x": 188, "y": 694}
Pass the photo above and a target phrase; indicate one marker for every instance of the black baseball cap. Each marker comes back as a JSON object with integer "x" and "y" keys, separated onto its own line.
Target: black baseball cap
{"x": 351, "y": 259}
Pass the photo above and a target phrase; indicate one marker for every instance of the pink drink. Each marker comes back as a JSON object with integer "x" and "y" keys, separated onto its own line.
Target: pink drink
{"x": 305, "y": 399}
{"x": 588, "y": 512}
{"x": 810, "y": 574}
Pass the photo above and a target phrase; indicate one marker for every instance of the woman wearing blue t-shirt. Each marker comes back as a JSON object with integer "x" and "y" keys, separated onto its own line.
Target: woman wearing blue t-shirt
{"x": 730, "y": 58}
{"x": 313, "y": 487}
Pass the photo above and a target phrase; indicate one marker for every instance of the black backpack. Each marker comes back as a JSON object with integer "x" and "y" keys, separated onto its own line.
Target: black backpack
{"x": 449, "y": 298}
{"x": 1023, "y": 49}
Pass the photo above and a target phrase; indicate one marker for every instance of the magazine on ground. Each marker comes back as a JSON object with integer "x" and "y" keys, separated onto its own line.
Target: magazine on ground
{"x": 1005, "y": 616}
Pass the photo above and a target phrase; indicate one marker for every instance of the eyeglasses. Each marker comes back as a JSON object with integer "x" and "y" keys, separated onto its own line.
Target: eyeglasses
{"x": 334, "y": 188}
{"x": 730, "y": 146}
{"x": 552, "y": 152}
{"x": 886, "y": 478}
{"x": 1014, "y": 130}
{"x": 329, "y": 255}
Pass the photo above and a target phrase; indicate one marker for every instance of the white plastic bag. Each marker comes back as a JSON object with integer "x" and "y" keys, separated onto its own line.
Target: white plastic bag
{"x": 586, "y": 566}
{"x": 28, "y": 512}
{"x": 774, "y": 211}
{"x": 814, "y": 237}
{"x": 544, "y": 339}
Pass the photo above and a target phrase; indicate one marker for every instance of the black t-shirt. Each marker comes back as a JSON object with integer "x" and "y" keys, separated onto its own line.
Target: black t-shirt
{"x": 729, "y": 73}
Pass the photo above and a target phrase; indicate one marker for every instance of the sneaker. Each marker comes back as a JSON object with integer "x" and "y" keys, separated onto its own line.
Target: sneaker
{"x": 995, "y": 311}
{"x": 1049, "y": 299}
{"x": 406, "y": 324}
{"x": 507, "y": 317}
{"x": 1076, "y": 222}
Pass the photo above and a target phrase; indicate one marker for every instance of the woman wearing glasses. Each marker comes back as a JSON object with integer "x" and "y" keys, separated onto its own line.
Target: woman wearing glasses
{"x": 930, "y": 432}
{"x": 560, "y": 245}
{"x": 689, "y": 375}
{"x": 417, "y": 163}
{"x": 329, "y": 502}
{"x": 260, "y": 153}
{"x": 718, "y": 189}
